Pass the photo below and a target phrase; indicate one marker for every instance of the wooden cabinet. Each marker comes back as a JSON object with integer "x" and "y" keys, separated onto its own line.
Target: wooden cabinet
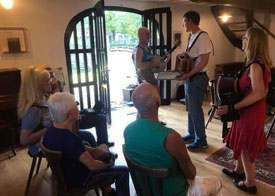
{"x": 10, "y": 80}
{"x": 228, "y": 68}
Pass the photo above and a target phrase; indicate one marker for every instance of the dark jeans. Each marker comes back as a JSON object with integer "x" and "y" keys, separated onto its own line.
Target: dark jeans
{"x": 99, "y": 122}
{"x": 87, "y": 138}
{"x": 120, "y": 174}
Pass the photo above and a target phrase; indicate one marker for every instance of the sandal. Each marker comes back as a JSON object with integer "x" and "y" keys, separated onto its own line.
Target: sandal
{"x": 241, "y": 185}
{"x": 233, "y": 174}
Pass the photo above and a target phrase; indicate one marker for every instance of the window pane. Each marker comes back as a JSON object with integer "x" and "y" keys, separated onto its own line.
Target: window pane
{"x": 74, "y": 69}
{"x": 76, "y": 94}
{"x": 72, "y": 46}
{"x": 95, "y": 44}
{"x": 85, "y": 96}
{"x": 79, "y": 35}
{"x": 90, "y": 67}
{"x": 82, "y": 67}
{"x": 92, "y": 95}
{"x": 164, "y": 28}
{"x": 87, "y": 32}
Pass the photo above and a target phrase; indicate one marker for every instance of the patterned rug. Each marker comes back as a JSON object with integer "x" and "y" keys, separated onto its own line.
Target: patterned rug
{"x": 265, "y": 167}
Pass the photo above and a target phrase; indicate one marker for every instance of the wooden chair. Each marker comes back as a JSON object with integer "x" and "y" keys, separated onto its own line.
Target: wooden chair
{"x": 54, "y": 159}
{"x": 145, "y": 173}
{"x": 39, "y": 156}
{"x": 214, "y": 100}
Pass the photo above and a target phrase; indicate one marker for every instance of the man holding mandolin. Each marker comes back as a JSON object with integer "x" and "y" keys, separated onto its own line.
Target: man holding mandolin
{"x": 196, "y": 81}
{"x": 147, "y": 64}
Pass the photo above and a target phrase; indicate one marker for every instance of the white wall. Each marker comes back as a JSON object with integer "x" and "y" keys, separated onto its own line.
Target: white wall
{"x": 223, "y": 49}
{"x": 45, "y": 22}
{"x": 271, "y": 41}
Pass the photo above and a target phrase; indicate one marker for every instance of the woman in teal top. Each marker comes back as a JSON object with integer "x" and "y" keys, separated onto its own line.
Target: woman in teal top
{"x": 144, "y": 144}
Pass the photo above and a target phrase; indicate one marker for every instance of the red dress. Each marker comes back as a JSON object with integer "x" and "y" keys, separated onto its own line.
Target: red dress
{"x": 248, "y": 132}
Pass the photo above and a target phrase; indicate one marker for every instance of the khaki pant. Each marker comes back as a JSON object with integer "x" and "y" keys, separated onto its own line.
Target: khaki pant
{"x": 205, "y": 186}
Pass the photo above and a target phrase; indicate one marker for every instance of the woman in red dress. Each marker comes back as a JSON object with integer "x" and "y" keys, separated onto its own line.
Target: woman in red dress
{"x": 247, "y": 137}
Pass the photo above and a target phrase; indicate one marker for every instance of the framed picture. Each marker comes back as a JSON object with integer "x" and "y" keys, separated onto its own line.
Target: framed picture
{"x": 12, "y": 40}
{"x": 177, "y": 37}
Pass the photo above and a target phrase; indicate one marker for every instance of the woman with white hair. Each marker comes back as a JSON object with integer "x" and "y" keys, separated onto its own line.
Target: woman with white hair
{"x": 36, "y": 82}
{"x": 80, "y": 160}
{"x": 32, "y": 108}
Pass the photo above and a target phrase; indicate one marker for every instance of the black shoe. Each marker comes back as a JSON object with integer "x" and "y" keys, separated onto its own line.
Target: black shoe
{"x": 196, "y": 146}
{"x": 110, "y": 144}
{"x": 241, "y": 185}
{"x": 233, "y": 174}
{"x": 188, "y": 139}
{"x": 163, "y": 123}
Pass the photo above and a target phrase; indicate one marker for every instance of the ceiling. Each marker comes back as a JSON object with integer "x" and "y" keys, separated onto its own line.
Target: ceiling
{"x": 256, "y": 5}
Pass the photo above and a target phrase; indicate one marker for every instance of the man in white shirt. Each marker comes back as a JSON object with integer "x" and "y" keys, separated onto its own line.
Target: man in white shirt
{"x": 196, "y": 81}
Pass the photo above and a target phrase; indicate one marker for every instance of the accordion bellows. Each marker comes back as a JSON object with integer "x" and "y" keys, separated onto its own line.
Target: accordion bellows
{"x": 184, "y": 63}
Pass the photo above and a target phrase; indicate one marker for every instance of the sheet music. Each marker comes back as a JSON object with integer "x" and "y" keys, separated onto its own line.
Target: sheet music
{"x": 169, "y": 75}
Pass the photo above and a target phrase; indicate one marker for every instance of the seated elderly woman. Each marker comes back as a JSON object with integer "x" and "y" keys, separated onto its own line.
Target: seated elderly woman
{"x": 32, "y": 109}
{"x": 80, "y": 160}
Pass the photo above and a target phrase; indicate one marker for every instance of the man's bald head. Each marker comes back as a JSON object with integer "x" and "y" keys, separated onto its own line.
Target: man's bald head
{"x": 146, "y": 99}
{"x": 143, "y": 35}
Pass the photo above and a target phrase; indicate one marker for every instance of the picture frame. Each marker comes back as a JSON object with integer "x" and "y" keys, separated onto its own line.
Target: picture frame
{"x": 12, "y": 40}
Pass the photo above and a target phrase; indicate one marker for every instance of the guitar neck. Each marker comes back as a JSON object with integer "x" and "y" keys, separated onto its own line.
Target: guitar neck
{"x": 171, "y": 50}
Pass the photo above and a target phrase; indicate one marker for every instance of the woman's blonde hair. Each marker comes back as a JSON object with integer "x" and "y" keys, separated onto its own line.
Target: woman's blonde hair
{"x": 29, "y": 89}
{"x": 257, "y": 46}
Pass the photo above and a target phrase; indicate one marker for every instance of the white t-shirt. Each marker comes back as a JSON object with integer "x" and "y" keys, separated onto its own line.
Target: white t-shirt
{"x": 201, "y": 46}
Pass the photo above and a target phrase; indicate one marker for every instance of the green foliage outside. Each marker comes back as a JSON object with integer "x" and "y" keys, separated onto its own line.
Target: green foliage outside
{"x": 122, "y": 23}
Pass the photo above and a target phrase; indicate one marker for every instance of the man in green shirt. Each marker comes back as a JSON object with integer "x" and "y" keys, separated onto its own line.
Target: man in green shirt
{"x": 151, "y": 144}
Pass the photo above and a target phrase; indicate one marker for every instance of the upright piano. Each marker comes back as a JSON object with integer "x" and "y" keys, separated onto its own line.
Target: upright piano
{"x": 10, "y": 80}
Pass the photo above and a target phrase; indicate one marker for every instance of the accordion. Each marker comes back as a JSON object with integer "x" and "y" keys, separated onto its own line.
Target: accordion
{"x": 184, "y": 63}
{"x": 228, "y": 94}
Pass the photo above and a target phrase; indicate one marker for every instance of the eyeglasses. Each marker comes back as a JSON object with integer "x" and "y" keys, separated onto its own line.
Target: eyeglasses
{"x": 49, "y": 80}
{"x": 244, "y": 37}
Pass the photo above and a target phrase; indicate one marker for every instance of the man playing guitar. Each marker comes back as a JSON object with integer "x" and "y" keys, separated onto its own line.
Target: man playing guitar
{"x": 147, "y": 64}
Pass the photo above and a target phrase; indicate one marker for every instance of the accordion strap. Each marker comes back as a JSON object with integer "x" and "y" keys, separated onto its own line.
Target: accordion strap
{"x": 248, "y": 87}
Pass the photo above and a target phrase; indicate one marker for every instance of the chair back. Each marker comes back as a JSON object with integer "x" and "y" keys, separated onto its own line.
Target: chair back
{"x": 54, "y": 160}
{"x": 213, "y": 92}
{"x": 145, "y": 173}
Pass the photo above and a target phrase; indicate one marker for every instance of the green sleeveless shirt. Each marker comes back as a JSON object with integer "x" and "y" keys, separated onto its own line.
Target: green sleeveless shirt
{"x": 144, "y": 144}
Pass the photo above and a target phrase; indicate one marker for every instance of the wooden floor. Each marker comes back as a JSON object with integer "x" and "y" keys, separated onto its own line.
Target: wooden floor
{"x": 14, "y": 172}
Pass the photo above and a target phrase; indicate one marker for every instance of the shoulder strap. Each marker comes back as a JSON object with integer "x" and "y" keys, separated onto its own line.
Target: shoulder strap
{"x": 248, "y": 87}
{"x": 39, "y": 105}
{"x": 189, "y": 48}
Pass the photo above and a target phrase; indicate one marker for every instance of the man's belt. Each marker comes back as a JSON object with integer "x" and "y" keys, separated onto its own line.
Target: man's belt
{"x": 197, "y": 74}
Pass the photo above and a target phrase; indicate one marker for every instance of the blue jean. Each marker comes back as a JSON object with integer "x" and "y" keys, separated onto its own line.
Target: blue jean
{"x": 194, "y": 93}
{"x": 118, "y": 173}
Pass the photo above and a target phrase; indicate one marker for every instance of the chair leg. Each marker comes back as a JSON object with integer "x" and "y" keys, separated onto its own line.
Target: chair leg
{"x": 213, "y": 110}
{"x": 38, "y": 165}
{"x": 12, "y": 142}
{"x": 30, "y": 176}
{"x": 270, "y": 128}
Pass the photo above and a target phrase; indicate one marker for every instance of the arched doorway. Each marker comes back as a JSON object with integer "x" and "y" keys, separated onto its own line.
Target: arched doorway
{"x": 86, "y": 53}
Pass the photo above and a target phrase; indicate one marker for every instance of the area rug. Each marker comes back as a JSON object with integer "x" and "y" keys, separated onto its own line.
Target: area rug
{"x": 265, "y": 163}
